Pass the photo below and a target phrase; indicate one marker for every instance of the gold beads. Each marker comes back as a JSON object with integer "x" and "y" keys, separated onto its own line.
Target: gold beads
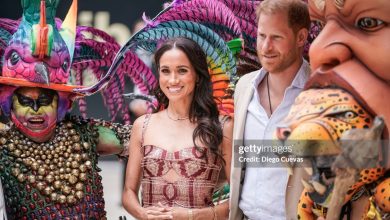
{"x": 88, "y": 164}
{"x": 11, "y": 147}
{"x": 53, "y": 196}
{"x": 34, "y": 166}
{"x": 72, "y": 179}
{"x": 70, "y": 199}
{"x": 21, "y": 177}
{"x": 31, "y": 179}
{"x": 15, "y": 171}
{"x": 86, "y": 145}
{"x": 56, "y": 168}
{"x": 3, "y": 141}
{"x": 83, "y": 176}
{"x": 75, "y": 138}
{"x": 41, "y": 171}
{"x": 77, "y": 146}
{"x": 61, "y": 199}
{"x": 65, "y": 189}
{"x": 79, "y": 194}
{"x": 49, "y": 178}
{"x": 48, "y": 190}
{"x": 74, "y": 164}
{"x": 40, "y": 186}
{"x": 57, "y": 184}
{"x": 79, "y": 186}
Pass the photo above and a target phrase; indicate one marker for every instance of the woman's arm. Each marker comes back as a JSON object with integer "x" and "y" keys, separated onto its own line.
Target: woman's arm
{"x": 133, "y": 178}
{"x": 133, "y": 172}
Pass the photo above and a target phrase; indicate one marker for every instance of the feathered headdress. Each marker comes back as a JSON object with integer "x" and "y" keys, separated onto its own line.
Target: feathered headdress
{"x": 211, "y": 24}
{"x": 41, "y": 51}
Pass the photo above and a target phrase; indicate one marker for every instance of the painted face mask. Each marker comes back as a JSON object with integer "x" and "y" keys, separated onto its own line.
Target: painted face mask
{"x": 35, "y": 112}
{"x": 352, "y": 32}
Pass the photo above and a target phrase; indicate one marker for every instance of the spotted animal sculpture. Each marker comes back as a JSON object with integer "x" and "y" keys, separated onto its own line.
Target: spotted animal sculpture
{"x": 359, "y": 151}
{"x": 317, "y": 121}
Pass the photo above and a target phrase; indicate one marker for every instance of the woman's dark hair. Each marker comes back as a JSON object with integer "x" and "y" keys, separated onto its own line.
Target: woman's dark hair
{"x": 203, "y": 110}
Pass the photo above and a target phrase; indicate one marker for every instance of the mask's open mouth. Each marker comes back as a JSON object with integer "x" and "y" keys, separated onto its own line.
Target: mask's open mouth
{"x": 36, "y": 121}
{"x": 321, "y": 179}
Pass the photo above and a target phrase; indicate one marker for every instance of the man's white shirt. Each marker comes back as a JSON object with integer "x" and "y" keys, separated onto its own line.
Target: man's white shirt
{"x": 264, "y": 188}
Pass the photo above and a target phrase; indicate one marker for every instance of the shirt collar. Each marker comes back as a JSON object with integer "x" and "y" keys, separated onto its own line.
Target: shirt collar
{"x": 298, "y": 82}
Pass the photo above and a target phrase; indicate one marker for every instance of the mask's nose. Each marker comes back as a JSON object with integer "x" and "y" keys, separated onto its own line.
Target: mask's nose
{"x": 35, "y": 107}
{"x": 330, "y": 48}
{"x": 282, "y": 133}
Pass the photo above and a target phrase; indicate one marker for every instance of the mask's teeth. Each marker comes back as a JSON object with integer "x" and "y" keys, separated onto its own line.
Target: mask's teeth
{"x": 307, "y": 186}
{"x": 321, "y": 189}
{"x": 309, "y": 170}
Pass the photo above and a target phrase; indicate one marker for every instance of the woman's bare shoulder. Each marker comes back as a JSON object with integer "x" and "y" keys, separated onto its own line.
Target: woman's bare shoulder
{"x": 139, "y": 121}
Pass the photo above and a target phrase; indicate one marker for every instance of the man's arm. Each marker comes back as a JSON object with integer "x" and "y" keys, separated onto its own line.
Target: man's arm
{"x": 113, "y": 138}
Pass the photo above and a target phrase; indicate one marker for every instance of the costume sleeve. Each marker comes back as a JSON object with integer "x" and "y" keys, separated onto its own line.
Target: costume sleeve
{"x": 122, "y": 133}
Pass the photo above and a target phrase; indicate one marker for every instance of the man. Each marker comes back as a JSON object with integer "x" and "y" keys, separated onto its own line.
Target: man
{"x": 262, "y": 100}
{"x": 53, "y": 159}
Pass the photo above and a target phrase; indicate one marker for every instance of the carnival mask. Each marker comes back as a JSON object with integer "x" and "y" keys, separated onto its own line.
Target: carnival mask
{"x": 34, "y": 112}
{"x": 352, "y": 31}
{"x": 316, "y": 122}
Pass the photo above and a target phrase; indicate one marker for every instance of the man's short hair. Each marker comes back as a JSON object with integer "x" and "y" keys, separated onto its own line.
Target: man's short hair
{"x": 297, "y": 12}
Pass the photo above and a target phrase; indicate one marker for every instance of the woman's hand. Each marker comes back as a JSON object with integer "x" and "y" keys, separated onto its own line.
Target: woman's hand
{"x": 178, "y": 213}
{"x": 157, "y": 213}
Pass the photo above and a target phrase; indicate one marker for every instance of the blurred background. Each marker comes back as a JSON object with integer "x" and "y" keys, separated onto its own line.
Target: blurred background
{"x": 120, "y": 19}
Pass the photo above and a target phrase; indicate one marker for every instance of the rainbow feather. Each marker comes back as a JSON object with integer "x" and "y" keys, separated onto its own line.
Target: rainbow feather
{"x": 202, "y": 11}
{"x": 221, "y": 56}
{"x": 241, "y": 12}
{"x": 243, "y": 9}
{"x": 211, "y": 37}
{"x": 201, "y": 30}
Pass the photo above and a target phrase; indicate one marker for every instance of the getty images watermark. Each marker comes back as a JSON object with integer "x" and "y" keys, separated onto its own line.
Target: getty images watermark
{"x": 358, "y": 154}
{"x": 265, "y": 153}
{"x": 260, "y": 153}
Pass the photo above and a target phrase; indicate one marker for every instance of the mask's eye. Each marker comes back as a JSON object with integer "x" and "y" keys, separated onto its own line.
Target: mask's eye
{"x": 65, "y": 66}
{"x": 45, "y": 100}
{"x": 348, "y": 115}
{"x": 369, "y": 24}
{"x": 14, "y": 58}
{"x": 25, "y": 101}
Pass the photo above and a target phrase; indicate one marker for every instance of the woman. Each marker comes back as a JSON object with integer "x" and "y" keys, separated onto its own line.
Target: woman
{"x": 177, "y": 153}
